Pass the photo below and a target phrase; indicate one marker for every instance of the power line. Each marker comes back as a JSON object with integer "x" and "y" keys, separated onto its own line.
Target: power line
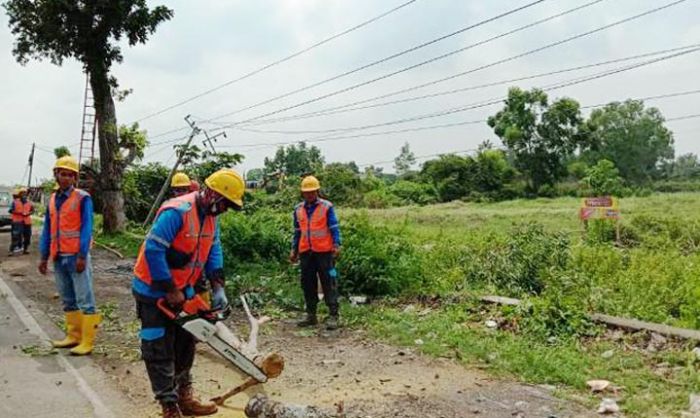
{"x": 530, "y": 52}
{"x": 555, "y": 86}
{"x": 697, "y": 115}
{"x": 280, "y": 61}
{"x": 346, "y": 107}
{"x": 380, "y": 61}
{"x": 495, "y": 101}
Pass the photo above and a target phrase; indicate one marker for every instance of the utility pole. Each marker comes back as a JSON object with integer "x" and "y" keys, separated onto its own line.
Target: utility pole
{"x": 166, "y": 184}
{"x": 212, "y": 139}
{"x": 31, "y": 165}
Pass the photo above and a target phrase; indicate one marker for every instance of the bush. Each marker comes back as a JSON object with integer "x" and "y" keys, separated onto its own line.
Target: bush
{"x": 410, "y": 192}
{"x": 376, "y": 260}
{"x": 262, "y": 236}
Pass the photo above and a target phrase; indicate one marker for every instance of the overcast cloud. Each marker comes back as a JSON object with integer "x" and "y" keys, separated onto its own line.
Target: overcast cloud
{"x": 212, "y": 41}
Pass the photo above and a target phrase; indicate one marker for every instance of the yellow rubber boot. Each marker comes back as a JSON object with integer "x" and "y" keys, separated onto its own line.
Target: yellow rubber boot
{"x": 73, "y": 326}
{"x": 87, "y": 342}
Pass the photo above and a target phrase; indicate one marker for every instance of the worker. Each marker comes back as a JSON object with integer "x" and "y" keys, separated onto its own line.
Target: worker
{"x": 17, "y": 219}
{"x": 65, "y": 240}
{"x": 180, "y": 184}
{"x": 183, "y": 241}
{"x": 27, "y": 212}
{"x": 316, "y": 244}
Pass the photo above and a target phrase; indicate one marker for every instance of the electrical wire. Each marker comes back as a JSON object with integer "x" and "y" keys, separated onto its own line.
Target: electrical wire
{"x": 272, "y": 64}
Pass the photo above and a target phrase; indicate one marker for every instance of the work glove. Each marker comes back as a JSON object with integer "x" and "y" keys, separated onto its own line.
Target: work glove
{"x": 219, "y": 300}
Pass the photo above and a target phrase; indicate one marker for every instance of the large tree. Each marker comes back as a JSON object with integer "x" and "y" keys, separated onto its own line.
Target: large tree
{"x": 632, "y": 137}
{"x": 540, "y": 136}
{"x": 89, "y": 31}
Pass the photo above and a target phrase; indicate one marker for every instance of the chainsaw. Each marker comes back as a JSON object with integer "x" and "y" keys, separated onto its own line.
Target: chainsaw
{"x": 197, "y": 318}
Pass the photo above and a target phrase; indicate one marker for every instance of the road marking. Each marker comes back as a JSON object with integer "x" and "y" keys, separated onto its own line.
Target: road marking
{"x": 99, "y": 408}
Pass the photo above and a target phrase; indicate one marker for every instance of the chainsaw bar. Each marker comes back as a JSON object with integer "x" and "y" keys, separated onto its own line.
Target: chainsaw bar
{"x": 205, "y": 332}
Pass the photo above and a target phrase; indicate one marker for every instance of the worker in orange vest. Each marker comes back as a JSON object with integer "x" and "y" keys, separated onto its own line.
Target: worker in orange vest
{"x": 182, "y": 244}
{"x": 316, "y": 244}
{"x": 27, "y": 212}
{"x": 16, "y": 210}
{"x": 180, "y": 184}
{"x": 65, "y": 241}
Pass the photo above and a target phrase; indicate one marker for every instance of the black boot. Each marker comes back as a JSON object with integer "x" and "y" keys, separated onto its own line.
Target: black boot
{"x": 309, "y": 321}
{"x": 332, "y": 322}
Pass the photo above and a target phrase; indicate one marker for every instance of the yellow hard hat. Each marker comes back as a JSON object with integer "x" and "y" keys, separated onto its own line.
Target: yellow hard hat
{"x": 16, "y": 192}
{"x": 180, "y": 180}
{"x": 310, "y": 184}
{"x": 67, "y": 162}
{"x": 227, "y": 183}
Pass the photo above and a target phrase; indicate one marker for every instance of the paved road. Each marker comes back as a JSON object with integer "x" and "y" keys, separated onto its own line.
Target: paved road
{"x": 36, "y": 383}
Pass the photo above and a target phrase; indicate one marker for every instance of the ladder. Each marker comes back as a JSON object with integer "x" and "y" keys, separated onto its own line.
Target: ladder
{"x": 89, "y": 129}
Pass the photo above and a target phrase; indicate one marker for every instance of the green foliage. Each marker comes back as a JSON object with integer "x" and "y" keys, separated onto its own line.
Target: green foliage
{"x": 541, "y": 136}
{"x": 61, "y": 151}
{"x": 141, "y": 184}
{"x": 264, "y": 235}
{"x": 631, "y": 136}
{"x": 56, "y": 30}
{"x": 292, "y": 162}
{"x": 413, "y": 193}
{"x": 376, "y": 260}
{"x": 341, "y": 183}
{"x": 133, "y": 139}
{"x": 603, "y": 179}
{"x": 405, "y": 161}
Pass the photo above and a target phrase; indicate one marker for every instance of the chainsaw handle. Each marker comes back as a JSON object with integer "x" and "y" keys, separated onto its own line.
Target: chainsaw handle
{"x": 163, "y": 306}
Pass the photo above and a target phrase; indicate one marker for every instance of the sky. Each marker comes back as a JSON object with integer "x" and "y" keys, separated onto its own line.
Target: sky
{"x": 211, "y": 42}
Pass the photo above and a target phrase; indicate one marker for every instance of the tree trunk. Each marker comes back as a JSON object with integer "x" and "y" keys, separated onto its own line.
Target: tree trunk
{"x": 111, "y": 165}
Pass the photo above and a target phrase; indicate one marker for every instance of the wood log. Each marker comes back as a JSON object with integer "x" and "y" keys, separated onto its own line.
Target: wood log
{"x": 616, "y": 321}
{"x": 260, "y": 406}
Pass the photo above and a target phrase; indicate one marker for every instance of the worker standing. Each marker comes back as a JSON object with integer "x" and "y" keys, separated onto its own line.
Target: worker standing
{"x": 16, "y": 209}
{"x": 316, "y": 244}
{"x": 183, "y": 242}
{"x": 27, "y": 212}
{"x": 65, "y": 240}
{"x": 180, "y": 184}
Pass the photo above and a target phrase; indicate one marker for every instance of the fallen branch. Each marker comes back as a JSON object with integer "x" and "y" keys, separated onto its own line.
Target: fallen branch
{"x": 108, "y": 248}
{"x": 616, "y": 321}
{"x": 271, "y": 364}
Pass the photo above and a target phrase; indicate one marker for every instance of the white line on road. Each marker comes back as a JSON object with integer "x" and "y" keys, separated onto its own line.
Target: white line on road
{"x": 98, "y": 406}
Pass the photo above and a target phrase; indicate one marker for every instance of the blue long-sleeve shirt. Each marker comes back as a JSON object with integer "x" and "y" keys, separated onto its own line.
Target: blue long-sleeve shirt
{"x": 332, "y": 222}
{"x": 162, "y": 234}
{"x": 86, "y": 214}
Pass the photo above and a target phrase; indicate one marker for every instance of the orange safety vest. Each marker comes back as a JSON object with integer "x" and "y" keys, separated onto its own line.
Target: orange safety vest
{"x": 27, "y": 213}
{"x": 315, "y": 235}
{"x": 17, "y": 211}
{"x": 193, "y": 239}
{"x": 66, "y": 223}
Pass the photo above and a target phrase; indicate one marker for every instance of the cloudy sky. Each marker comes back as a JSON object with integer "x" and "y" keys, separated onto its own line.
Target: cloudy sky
{"x": 211, "y": 42}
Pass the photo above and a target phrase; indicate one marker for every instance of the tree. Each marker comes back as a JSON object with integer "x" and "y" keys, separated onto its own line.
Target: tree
{"x": 405, "y": 160}
{"x": 603, "y": 179}
{"x": 451, "y": 175}
{"x": 89, "y": 31}
{"x": 541, "y": 137}
{"x": 254, "y": 174}
{"x": 632, "y": 137}
{"x": 294, "y": 161}
{"x": 341, "y": 183}
{"x": 686, "y": 166}
{"x": 61, "y": 151}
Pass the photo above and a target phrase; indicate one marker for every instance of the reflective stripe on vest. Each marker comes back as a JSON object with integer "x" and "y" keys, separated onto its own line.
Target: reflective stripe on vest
{"x": 315, "y": 235}
{"x": 65, "y": 223}
{"x": 18, "y": 209}
{"x": 193, "y": 239}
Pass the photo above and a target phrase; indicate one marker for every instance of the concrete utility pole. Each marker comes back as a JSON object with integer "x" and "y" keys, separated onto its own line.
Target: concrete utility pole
{"x": 31, "y": 165}
{"x": 166, "y": 184}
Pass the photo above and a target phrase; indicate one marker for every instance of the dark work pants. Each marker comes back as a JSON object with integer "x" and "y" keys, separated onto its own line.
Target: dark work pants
{"x": 16, "y": 235}
{"x": 168, "y": 358}
{"x": 315, "y": 266}
{"x": 26, "y": 236}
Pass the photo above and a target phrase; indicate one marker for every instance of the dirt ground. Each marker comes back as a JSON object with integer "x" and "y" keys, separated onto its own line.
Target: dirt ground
{"x": 370, "y": 379}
